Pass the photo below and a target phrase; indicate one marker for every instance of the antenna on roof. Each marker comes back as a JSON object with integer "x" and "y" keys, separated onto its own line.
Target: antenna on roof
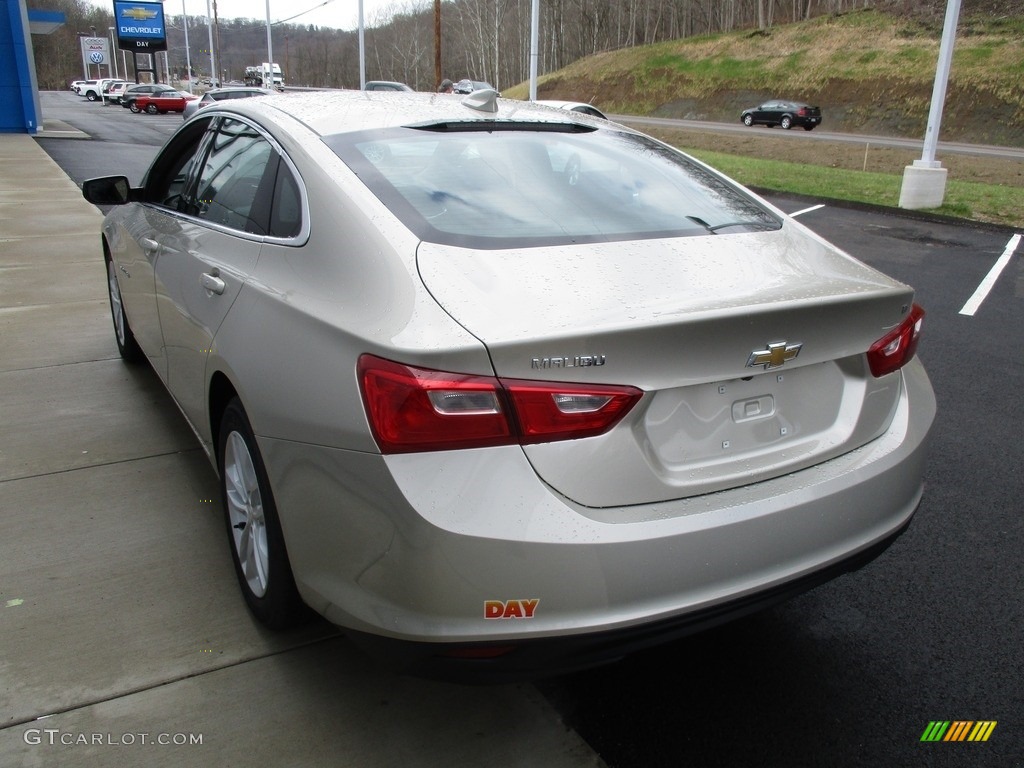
{"x": 482, "y": 101}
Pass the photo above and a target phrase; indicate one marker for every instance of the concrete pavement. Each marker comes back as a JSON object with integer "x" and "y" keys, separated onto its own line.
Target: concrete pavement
{"x": 123, "y": 637}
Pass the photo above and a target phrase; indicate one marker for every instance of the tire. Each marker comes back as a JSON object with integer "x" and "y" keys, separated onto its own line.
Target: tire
{"x": 127, "y": 346}
{"x": 91, "y": 96}
{"x": 254, "y": 530}
{"x": 748, "y": 120}
{"x": 152, "y": 109}
{"x": 808, "y": 127}
{"x": 786, "y": 122}
{"x": 134, "y": 107}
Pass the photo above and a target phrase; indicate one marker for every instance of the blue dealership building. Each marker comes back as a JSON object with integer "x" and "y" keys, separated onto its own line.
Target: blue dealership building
{"x": 19, "y": 91}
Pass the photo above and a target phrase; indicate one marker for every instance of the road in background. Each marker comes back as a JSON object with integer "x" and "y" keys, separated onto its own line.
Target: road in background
{"x": 640, "y": 123}
{"x": 852, "y": 673}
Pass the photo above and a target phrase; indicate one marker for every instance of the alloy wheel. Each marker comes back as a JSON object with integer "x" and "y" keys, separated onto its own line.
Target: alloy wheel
{"x": 245, "y": 514}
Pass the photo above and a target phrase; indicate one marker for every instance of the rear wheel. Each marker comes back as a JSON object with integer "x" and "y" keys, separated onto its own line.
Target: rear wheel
{"x": 126, "y": 344}
{"x": 91, "y": 96}
{"x": 787, "y": 122}
{"x": 748, "y": 120}
{"x": 808, "y": 127}
{"x": 254, "y": 530}
{"x": 134, "y": 107}
{"x": 152, "y": 109}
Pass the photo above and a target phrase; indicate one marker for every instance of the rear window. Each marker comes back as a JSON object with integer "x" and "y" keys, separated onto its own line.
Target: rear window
{"x": 517, "y": 187}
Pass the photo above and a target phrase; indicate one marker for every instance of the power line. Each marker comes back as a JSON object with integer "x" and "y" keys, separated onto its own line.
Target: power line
{"x": 310, "y": 10}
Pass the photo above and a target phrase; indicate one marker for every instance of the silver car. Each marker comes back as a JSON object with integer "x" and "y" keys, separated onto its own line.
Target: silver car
{"x": 503, "y": 389}
{"x": 220, "y": 94}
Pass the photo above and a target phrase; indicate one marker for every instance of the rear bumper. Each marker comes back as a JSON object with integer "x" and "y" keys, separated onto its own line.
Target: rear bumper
{"x": 533, "y": 659}
{"x": 415, "y": 551}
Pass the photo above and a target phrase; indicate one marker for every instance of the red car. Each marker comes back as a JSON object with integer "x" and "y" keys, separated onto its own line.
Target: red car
{"x": 165, "y": 101}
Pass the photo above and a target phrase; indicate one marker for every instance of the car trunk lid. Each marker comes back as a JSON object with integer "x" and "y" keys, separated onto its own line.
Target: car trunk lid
{"x": 750, "y": 349}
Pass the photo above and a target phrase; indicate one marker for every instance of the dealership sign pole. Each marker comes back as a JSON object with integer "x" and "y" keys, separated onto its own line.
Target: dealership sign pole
{"x": 140, "y": 29}
{"x": 924, "y": 182}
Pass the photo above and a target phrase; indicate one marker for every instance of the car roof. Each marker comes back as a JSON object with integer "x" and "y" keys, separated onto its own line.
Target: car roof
{"x": 331, "y": 112}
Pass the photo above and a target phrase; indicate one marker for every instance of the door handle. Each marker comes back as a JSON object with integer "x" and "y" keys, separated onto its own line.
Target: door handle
{"x": 212, "y": 283}
{"x": 149, "y": 244}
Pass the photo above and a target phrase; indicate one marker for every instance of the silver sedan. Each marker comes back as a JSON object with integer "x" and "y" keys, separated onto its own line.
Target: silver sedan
{"x": 502, "y": 389}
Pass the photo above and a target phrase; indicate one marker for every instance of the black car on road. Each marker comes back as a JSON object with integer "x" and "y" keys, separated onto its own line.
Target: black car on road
{"x": 784, "y": 113}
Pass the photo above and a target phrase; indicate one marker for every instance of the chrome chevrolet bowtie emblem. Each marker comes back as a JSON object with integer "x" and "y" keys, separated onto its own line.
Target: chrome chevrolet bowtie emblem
{"x": 774, "y": 356}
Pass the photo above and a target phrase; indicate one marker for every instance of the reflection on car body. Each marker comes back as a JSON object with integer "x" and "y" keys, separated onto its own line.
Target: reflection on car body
{"x": 511, "y": 391}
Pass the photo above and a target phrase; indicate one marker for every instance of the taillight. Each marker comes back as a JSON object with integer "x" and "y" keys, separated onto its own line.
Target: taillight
{"x": 802, "y": 111}
{"x": 897, "y": 348}
{"x": 416, "y": 409}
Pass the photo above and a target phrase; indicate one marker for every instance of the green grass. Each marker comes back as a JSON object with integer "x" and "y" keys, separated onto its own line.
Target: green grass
{"x": 965, "y": 200}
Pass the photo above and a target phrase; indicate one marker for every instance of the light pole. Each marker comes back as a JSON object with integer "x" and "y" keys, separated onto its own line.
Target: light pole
{"x": 362, "y": 49}
{"x": 924, "y": 182}
{"x": 534, "y": 43}
{"x": 113, "y": 54}
{"x": 209, "y": 26}
{"x": 270, "y": 54}
{"x": 188, "y": 57}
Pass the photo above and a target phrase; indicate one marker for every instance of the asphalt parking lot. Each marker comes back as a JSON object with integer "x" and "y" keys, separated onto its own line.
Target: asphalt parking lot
{"x": 119, "y": 612}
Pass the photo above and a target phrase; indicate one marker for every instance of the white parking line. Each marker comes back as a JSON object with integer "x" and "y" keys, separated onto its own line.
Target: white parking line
{"x": 990, "y": 279}
{"x": 807, "y": 210}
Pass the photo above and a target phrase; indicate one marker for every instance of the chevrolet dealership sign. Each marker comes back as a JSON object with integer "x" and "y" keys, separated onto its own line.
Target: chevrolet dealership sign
{"x": 140, "y": 26}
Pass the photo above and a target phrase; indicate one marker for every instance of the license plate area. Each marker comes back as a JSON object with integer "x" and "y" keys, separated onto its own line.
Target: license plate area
{"x": 758, "y": 421}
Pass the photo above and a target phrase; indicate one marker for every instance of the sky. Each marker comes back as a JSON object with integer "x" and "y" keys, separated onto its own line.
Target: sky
{"x": 340, "y": 14}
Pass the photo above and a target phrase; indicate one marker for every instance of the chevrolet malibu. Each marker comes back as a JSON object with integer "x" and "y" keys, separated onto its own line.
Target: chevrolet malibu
{"x": 502, "y": 389}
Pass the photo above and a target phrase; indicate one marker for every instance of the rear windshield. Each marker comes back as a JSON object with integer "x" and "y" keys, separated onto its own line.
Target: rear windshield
{"x": 520, "y": 187}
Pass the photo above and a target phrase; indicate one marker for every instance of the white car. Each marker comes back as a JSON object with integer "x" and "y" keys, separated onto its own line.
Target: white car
{"x": 501, "y": 389}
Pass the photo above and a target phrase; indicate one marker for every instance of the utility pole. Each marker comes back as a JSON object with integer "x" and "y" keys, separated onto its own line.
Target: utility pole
{"x": 437, "y": 44}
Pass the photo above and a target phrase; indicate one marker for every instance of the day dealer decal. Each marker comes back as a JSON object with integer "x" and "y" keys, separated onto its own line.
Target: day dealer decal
{"x": 510, "y": 609}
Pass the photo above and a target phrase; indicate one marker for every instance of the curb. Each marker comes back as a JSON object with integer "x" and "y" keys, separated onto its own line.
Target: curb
{"x": 884, "y": 210}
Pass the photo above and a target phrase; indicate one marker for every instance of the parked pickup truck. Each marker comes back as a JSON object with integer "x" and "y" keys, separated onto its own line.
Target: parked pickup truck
{"x": 93, "y": 89}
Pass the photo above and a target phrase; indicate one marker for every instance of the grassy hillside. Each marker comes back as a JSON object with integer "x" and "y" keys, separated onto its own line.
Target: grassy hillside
{"x": 869, "y": 72}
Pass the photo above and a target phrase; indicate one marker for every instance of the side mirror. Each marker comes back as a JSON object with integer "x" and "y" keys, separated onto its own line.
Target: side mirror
{"x": 108, "y": 190}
